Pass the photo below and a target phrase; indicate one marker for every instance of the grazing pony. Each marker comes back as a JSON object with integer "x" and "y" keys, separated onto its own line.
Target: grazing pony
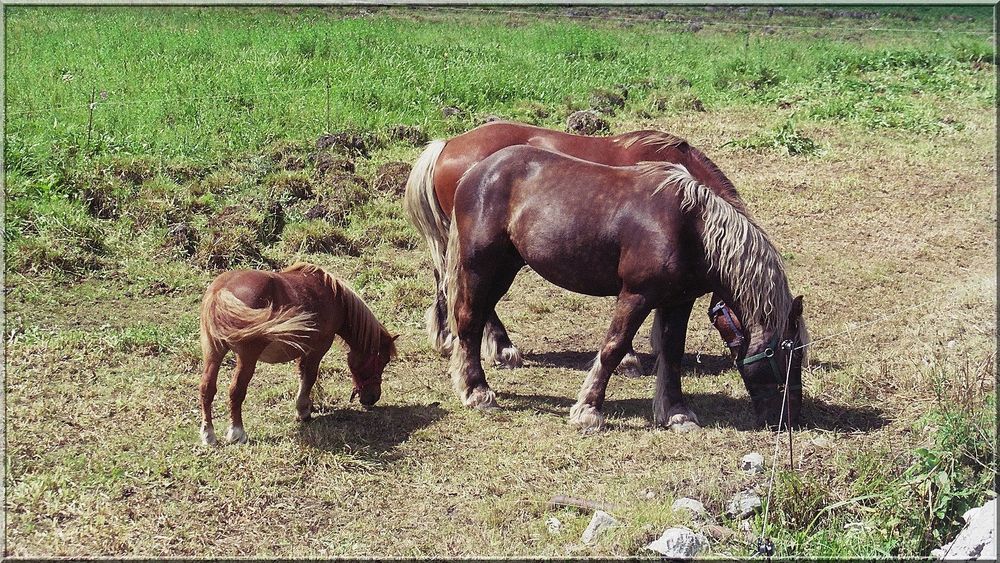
{"x": 652, "y": 235}
{"x": 279, "y": 317}
{"x": 430, "y": 195}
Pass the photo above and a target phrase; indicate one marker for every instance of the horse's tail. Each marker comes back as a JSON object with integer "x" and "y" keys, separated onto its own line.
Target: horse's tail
{"x": 422, "y": 205}
{"x": 226, "y": 320}
{"x": 451, "y": 276}
{"x": 426, "y": 215}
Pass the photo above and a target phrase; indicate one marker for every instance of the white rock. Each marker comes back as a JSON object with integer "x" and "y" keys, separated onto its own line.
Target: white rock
{"x": 554, "y": 525}
{"x": 598, "y": 524}
{"x": 752, "y": 463}
{"x": 679, "y": 543}
{"x": 743, "y": 504}
{"x": 977, "y": 540}
{"x": 695, "y": 507}
{"x": 650, "y": 495}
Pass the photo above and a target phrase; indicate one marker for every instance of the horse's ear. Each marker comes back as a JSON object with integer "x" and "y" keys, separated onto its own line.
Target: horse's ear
{"x": 796, "y": 309}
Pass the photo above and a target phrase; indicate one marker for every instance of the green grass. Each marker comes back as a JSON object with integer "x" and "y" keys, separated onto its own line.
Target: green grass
{"x": 868, "y": 157}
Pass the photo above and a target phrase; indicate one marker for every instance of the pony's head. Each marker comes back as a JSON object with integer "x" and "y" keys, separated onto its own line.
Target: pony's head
{"x": 764, "y": 363}
{"x": 366, "y": 370}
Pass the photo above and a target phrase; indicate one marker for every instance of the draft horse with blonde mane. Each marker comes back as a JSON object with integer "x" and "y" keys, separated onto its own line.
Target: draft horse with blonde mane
{"x": 652, "y": 235}
{"x": 430, "y": 195}
{"x": 277, "y": 317}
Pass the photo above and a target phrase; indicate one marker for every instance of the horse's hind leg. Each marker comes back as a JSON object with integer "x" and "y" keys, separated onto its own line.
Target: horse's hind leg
{"x": 207, "y": 389}
{"x": 630, "y": 311}
{"x": 477, "y": 294}
{"x": 630, "y": 365}
{"x": 497, "y": 347}
{"x": 437, "y": 319}
{"x": 669, "y": 408}
{"x": 246, "y": 364}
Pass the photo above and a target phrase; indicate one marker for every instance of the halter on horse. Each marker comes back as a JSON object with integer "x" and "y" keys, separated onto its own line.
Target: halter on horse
{"x": 654, "y": 236}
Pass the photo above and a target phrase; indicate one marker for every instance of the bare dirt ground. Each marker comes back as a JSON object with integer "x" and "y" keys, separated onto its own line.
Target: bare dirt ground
{"x": 891, "y": 227}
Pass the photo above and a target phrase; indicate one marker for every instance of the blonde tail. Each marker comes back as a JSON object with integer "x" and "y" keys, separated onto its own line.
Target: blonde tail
{"x": 451, "y": 277}
{"x": 226, "y": 320}
{"x": 426, "y": 215}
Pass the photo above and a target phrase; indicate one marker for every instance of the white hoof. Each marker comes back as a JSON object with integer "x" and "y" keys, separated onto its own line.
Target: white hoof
{"x": 509, "y": 358}
{"x": 585, "y": 417}
{"x": 236, "y": 435}
{"x": 208, "y": 435}
{"x": 630, "y": 366}
{"x": 481, "y": 398}
{"x": 681, "y": 418}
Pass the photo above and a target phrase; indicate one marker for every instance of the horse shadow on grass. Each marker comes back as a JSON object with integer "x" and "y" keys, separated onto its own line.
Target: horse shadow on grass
{"x": 372, "y": 435}
{"x": 713, "y": 410}
{"x": 694, "y": 364}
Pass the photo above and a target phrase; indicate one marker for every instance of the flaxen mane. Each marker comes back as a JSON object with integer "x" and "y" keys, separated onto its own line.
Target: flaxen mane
{"x": 368, "y": 331}
{"x": 736, "y": 248}
{"x": 660, "y": 140}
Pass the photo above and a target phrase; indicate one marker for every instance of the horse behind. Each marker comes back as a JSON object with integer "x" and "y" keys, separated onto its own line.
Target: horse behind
{"x": 653, "y": 236}
{"x": 277, "y": 317}
{"x": 430, "y": 195}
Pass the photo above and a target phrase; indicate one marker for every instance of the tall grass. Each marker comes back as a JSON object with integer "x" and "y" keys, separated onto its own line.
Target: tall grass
{"x": 204, "y": 82}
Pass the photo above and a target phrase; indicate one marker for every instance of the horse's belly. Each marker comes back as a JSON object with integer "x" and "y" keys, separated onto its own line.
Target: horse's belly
{"x": 279, "y": 353}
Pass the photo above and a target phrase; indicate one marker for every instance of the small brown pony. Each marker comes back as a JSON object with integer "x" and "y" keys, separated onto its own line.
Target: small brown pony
{"x": 280, "y": 317}
{"x": 652, "y": 235}
{"x": 430, "y": 195}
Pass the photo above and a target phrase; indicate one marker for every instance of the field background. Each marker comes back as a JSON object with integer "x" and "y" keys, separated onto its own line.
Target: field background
{"x": 863, "y": 140}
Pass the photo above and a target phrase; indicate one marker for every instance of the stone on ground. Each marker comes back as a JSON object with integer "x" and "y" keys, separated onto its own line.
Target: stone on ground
{"x": 695, "y": 507}
{"x": 598, "y": 524}
{"x": 679, "y": 543}
{"x": 977, "y": 540}
{"x": 743, "y": 504}
{"x": 752, "y": 463}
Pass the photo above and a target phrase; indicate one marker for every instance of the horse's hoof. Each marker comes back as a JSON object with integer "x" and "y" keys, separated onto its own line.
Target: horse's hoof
{"x": 236, "y": 435}
{"x": 509, "y": 358}
{"x": 303, "y": 417}
{"x": 208, "y": 436}
{"x": 683, "y": 427}
{"x": 630, "y": 366}
{"x": 446, "y": 345}
{"x": 586, "y": 417}
{"x": 482, "y": 398}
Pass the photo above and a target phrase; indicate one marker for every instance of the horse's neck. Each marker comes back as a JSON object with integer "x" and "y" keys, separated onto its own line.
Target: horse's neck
{"x": 349, "y": 330}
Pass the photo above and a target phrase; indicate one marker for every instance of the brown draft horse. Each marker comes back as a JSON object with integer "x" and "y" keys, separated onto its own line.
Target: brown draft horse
{"x": 652, "y": 235}
{"x": 280, "y": 317}
{"x": 430, "y": 193}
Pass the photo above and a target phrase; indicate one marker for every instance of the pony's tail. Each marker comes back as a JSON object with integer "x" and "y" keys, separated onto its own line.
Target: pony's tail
{"x": 226, "y": 320}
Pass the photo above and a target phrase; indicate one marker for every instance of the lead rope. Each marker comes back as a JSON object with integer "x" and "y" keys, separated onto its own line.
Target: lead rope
{"x": 765, "y": 546}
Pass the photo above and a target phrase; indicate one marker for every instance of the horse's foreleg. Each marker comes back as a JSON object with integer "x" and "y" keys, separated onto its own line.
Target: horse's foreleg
{"x": 497, "y": 347}
{"x": 207, "y": 389}
{"x": 670, "y": 328}
{"x": 629, "y": 313}
{"x": 308, "y": 373}
{"x": 246, "y": 364}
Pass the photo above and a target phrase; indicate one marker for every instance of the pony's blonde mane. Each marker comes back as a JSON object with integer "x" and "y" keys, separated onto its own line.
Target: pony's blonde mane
{"x": 736, "y": 248}
{"x": 369, "y": 334}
